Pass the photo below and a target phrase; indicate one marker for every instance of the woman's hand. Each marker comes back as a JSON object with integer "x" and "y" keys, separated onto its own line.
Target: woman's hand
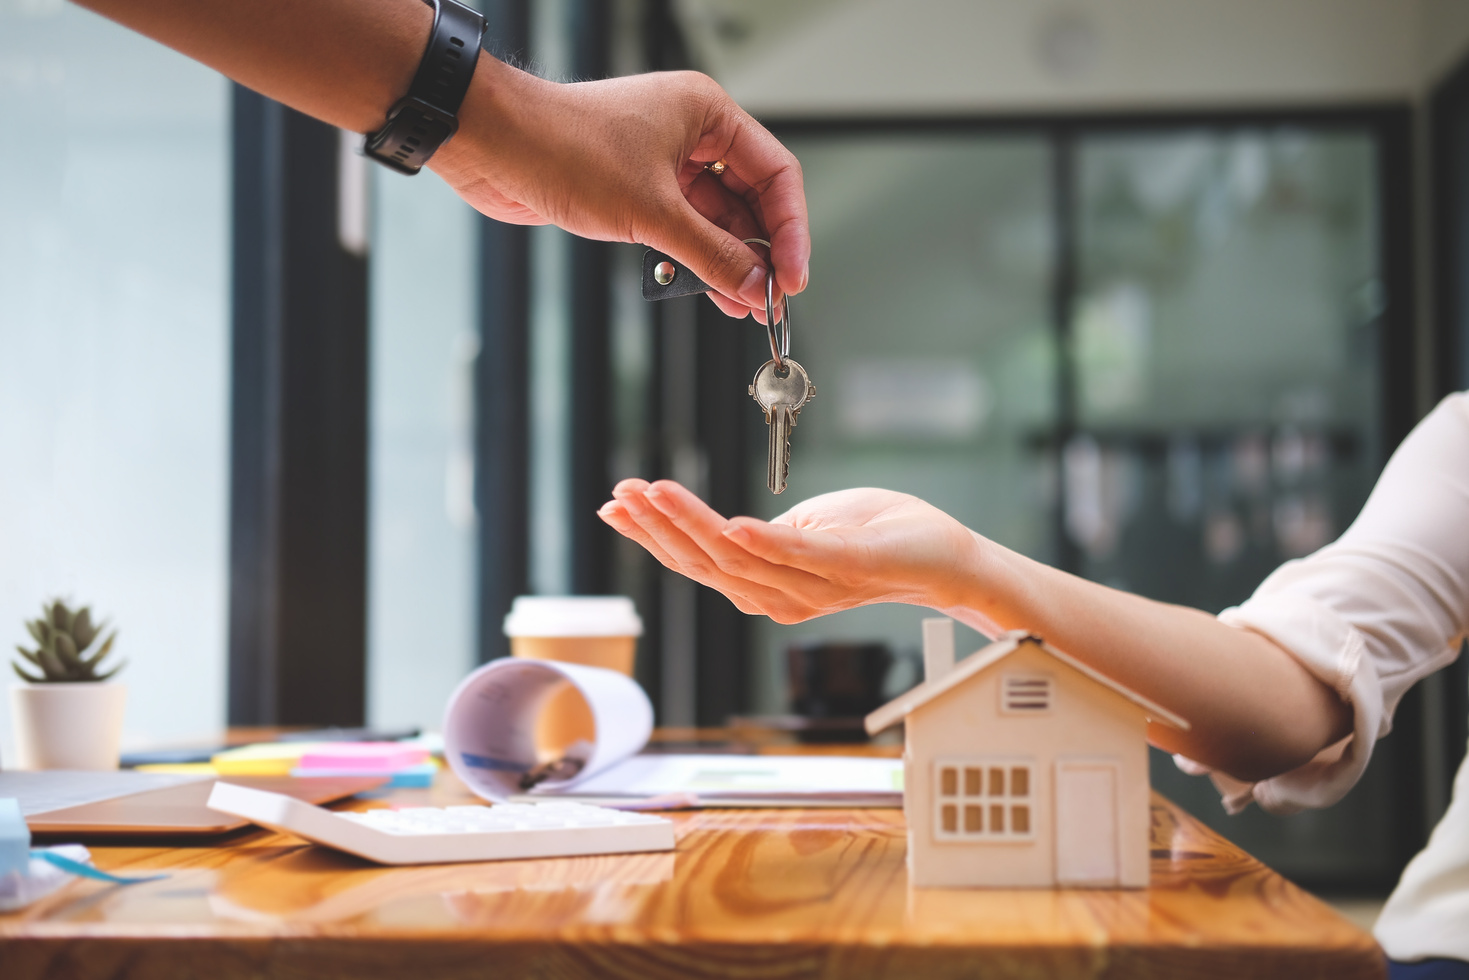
{"x": 829, "y": 553}
{"x": 1255, "y": 710}
{"x": 623, "y": 160}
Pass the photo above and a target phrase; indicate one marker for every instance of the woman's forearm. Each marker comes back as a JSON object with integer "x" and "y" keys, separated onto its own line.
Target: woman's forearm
{"x": 1255, "y": 711}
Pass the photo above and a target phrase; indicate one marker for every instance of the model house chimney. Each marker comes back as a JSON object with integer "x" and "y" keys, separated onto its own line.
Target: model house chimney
{"x": 938, "y": 648}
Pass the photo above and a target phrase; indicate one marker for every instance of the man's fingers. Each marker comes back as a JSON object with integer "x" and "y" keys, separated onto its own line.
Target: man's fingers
{"x": 765, "y": 178}
{"x": 715, "y": 255}
{"x": 728, "y": 211}
{"x": 728, "y": 306}
{"x": 758, "y": 159}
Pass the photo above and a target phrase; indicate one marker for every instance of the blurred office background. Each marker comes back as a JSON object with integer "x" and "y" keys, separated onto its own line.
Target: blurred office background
{"x": 1145, "y": 289}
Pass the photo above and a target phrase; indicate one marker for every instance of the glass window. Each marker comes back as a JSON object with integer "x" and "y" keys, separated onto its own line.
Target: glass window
{"x": 1225, "y": 341}
{"x": 114, "y": 353}
{"x": 422, "y": 524}
{"x": 927, "y": 330}
{"x": 1218, "y": 392}
{"x": 1227, "y": 329}
{"x": 1212, "y": 406}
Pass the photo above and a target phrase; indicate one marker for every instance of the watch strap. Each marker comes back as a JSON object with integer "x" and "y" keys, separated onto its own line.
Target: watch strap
{"x": 424, "y": 119}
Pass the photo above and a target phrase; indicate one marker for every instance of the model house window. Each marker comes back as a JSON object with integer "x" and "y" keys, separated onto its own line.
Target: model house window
{"x": 982, "y": 799}
{"x": 1028, "y": 694}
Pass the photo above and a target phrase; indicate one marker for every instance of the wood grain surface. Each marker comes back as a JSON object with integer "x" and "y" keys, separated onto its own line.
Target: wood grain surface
{"x": 753, "y": 894}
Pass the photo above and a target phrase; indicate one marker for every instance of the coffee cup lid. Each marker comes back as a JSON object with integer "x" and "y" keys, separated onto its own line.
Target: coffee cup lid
{"x": 542, "y": 615}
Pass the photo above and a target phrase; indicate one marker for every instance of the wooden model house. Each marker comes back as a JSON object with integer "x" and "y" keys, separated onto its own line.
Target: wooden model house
{"x": 1023, "y": 767}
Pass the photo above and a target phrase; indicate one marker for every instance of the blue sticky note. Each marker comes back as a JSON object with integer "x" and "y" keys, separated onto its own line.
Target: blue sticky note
{"x": 420, "y": 776}
{"x": 15, "y": 838}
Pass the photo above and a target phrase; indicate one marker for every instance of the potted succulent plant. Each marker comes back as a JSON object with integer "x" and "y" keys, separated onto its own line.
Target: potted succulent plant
{"x": 66, "y": 714}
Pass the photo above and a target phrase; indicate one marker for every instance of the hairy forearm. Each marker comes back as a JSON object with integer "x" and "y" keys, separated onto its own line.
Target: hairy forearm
{"x": 1254, "y": 710}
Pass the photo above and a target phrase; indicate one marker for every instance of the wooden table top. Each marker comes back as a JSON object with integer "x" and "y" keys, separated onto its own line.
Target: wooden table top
{"x": 749, "y": 893}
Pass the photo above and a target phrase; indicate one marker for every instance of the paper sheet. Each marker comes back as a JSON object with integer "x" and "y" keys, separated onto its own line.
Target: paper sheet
{"x": 489, "y": 743}
{"x": 744, "y": 780}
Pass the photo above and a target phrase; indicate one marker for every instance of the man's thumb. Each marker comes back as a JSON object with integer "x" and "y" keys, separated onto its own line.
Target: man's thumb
{"x": 714, "y": 255}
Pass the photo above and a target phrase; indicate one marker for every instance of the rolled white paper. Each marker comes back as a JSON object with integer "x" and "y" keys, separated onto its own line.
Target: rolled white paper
{"x": 490, "y": 723}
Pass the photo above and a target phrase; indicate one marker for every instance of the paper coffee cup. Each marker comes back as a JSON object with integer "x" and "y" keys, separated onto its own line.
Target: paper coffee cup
{"x": 595, "y": 631}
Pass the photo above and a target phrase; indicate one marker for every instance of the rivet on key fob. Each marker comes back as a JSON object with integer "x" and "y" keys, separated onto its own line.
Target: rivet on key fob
{"x": 665, "y": 278}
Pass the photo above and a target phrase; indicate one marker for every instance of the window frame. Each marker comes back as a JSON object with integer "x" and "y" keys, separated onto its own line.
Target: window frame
{"x": 974, "y": 789}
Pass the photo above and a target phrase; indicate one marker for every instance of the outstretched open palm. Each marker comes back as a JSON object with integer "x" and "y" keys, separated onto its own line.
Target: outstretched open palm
{"x": 826, "y": 554}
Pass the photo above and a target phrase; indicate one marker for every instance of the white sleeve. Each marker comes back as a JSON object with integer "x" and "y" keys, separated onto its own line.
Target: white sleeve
{"x": 1376, "y": 610}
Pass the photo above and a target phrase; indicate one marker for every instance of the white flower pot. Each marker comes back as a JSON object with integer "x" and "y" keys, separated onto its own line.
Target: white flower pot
{"x": 67, "y": 726}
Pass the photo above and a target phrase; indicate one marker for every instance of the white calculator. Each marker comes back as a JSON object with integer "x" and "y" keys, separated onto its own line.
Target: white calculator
{"x": 435, "y": 835}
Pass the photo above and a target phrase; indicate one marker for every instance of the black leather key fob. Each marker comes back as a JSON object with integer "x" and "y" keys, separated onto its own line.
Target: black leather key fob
{"x": 663, "y": 278}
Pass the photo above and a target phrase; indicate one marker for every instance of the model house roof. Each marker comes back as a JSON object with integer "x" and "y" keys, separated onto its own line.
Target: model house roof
{"x": 899, "y": 708}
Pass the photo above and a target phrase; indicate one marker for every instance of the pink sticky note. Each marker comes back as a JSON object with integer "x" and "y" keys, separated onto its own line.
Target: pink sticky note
{"x": 371, "y": 756}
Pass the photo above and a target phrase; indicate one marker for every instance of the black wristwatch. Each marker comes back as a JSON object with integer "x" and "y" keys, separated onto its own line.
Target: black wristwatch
{"x": 424, "y": 119}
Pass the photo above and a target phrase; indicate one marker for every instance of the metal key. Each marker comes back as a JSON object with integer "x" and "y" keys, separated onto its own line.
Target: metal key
{"x": 782, "y": 391}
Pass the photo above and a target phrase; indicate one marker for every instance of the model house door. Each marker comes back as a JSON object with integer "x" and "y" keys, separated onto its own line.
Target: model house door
{"x": 1086, "y": 823}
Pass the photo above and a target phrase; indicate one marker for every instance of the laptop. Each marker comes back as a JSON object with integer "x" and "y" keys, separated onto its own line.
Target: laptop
{"x": 146, "y": 804}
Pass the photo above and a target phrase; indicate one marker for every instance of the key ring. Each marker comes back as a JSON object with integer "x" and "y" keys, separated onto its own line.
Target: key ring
{"x": 781, "y": 349}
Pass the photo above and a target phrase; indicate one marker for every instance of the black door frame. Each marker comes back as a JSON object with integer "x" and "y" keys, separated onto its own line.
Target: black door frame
{"x": 298, "y": 428}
